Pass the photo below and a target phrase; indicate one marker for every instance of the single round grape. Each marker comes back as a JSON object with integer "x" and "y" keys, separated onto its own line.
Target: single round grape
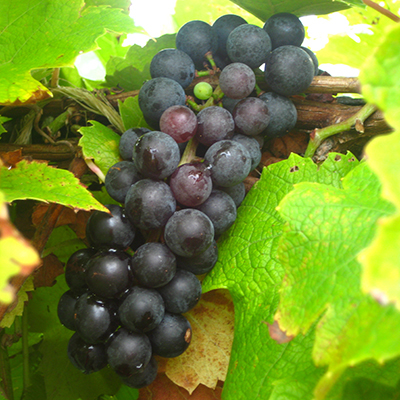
{"x": 230, "y": 162}
{"x": 203, "y": 90}
{"x": 66, "y": 308}
{"x": 188, "y": 232}
{"x": 221, "y": 210}
{"x": 313, "y": 58}
{"x": 110, "y": 230}
{"x": 158, "y": 94}
{"x": 237, "y": 192}
{"x": 172, "y": 336}
{"x": 128, "y": 353}
{"x": 119, "y": 178}
{"x": 95, "y": 319}
{"x": 201, "y": 263}
{"x": 249, "y": 44}
{"x": 191, "y": 184}
{"x": 156, "y": 155}
{"x": 128, "y": 141}
{"x": 289, "y": 70}
{"x": 76, "y": 266}
{"x": 144, "y": 377}
{"x": 223, "y": 26}
{"x": 237, "y": 80}
{"x": 173, "y": 64}
{"x": 182, "y": 293}
{"x": 153, "y": 264}
{"x": 86, "y": 357}
{"x": 252, "y": 146}
{"x": 284, "y": 29}
{"x": 108, "y": 273}
{"x": 251, "y": 116}
{"x": 179, "y": 122}
{"x": 214, "y": 124}
{"x": 149, "y": 204}
{"x": 142, "y": 309}
{"x": 283, "y": 115}
{"x": 196, "y": 38}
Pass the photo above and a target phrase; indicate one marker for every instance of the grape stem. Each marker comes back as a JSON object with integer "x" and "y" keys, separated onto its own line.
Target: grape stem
{"x": 382, "y": 10}
{"x": 190, "y": 152}
{"x": 317, "y": 136}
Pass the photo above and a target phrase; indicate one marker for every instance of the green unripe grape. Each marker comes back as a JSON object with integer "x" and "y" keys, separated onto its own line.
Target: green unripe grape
{"x": 203, "y": 90}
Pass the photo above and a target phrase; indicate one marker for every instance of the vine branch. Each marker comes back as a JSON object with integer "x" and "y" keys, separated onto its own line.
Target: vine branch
{"x": 382, "y": 10}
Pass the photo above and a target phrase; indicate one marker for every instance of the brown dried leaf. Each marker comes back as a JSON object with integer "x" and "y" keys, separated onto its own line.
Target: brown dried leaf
{"x": 164, "y": 389}
{"x": 206, "y": 359}
{"x": 46, "y": 275}
{"x": 293, "y": 142}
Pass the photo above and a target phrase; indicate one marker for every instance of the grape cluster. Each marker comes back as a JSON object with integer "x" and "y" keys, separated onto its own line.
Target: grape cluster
{"x": 179, "y": 185}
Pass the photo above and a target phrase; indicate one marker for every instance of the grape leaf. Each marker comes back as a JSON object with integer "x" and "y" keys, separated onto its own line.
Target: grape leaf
{"x": 17, "y": 256}
{"x": 62, "y": 379}
{"x": 100, "y": 144}
{"x": 207, "y": 358}
{"x": 130, "y": 72}
{"x": 131, "y": 114}
{"x": 65, "y": 30}
{"x": 249, "y": 268}
{"x": 38, "y": 181}
{"x": 2, "y": 120}
{"x": 327, "y": 228}
{"x": 264, "y": 10}
{"x": 381, "y": 260}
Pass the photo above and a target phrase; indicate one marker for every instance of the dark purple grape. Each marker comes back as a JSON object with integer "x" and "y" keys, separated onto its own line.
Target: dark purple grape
{"x": 230, "y": 162}
{"x": 128, "y": 353}
{"x": 283, "y": 115}
{"x": 149, "y": 204}
{"x": 248, "y": 44}
{"x": 223, "y": 26}
{"x": 95, "y": 319}
{"x": 153, "y": 264}
{"x": 141, "y": 310}
{"x": 252, "y": 146}
{"x": 66, "y": 308}
{"x": 237, "y": 192}
{"x": 128, "y": 141}
{"x": 196, "y": 38}
{"x": 313, "y": 58}
{"x": 86, "y": 357}
{"x": 172, "y": 336}
{"x": 289, "y": 70}
{"x": 156, "y": 155}
{"x": 191, "y": 184}
{"x": 237, "y": 80}
{"x": 229, "y": 104}
{"x": 284, "y": 29}
{"x": 76, "y": 267}
{"x": 182, "y": 293}
{"x": 119, "y": 178}
{"x": 188, "y": 232}
{"x": 144, "y": 377}
{"x": 173, "y": 64}
{"x": 251, "y": 116}
{"x": 108, "y": 273}
{"x": 201, "y": 263}
{"x": 158, "y": 94}
{"x": 110, "y": 230}
{"x": 221, "y": 210}
{"x": 214, "y": 124}
{"x": 179, "y": 122}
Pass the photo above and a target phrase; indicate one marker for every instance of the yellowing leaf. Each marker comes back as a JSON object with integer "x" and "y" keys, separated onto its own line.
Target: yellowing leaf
{"x": 207, "y": 358}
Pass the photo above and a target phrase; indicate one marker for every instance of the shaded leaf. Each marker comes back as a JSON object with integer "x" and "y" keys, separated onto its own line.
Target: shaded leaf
{"x": 131, "y": 114}
{"x": 38, "y": 181}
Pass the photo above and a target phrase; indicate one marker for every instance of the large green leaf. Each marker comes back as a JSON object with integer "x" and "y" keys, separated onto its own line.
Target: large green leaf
{"x": 248, "y": 266}
{"x": 264, "y": 9}
{"x": 381, "y": 85}
{"x": 327, "y": 228}
{"x": 47, "y": 33}
{"x": 38, "y": 181}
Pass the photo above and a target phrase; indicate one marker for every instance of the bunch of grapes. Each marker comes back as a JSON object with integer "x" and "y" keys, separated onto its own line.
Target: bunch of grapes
{"x": 179, "y": 186}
